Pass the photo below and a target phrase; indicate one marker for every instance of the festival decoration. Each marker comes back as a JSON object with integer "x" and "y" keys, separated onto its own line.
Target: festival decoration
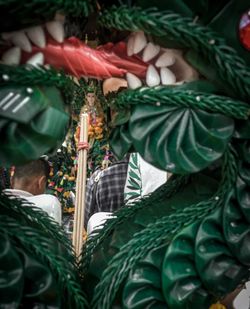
{"x": 95, "y": 105}
{"x": 179, "y": 247}
{"x": 195, "y": 227}
{"x": 38, "y": 267}
{"x": 62, "y": 178}
{"x": 29, "y": 98}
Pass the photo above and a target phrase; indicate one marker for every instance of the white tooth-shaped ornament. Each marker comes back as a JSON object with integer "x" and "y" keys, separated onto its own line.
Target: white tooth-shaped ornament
{"x": 152, "y": 76}
{"x": 37, "y": 59}
{"x": 20, "y": 39}
{"x": 56, "y": 30}
{"x": 133, "y": 81}
{"x": 150, "y": 52}
{"x": 37, "y": 36}
{"x": 167, "y": 77}
{"x": 165, "y": 60}
{"x": 130, "y": 45}
{"x": 140, "y": 42}
{"x": 12, "y": 56}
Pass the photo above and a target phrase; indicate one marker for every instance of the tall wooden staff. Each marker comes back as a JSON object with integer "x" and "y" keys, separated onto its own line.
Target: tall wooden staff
{"x": 80, "y": 185}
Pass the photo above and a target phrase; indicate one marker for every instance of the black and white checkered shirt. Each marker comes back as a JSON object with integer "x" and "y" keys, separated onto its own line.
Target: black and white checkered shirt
{"x": 105, "y": 189}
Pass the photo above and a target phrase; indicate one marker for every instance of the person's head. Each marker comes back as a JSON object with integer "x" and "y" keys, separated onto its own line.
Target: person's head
{"x": 31, "y": 177}
{"x": 90, "y": 97}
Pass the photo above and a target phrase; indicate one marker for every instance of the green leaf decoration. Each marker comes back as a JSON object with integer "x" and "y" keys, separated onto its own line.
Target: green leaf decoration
{"x": 120, "y": 141}
{"x": 133, "y": 166}
{"x": 181, "y": 284}
{"x": 143, "y": 287}
{"x": 134, "y": 194}
{"x": 187, "y": 34}
{"x": 42, "y": 288}
{"x": 157, "y": 232}
{"x": 29, "y": 214}
{"x": 134, "y": 180}
{"x": 219, "y": 270}
{"x": 134, "y": 186}
{"x": 12, "y": 274}
{"x": 29, "y": 76}
{"x": 131, "y": 197}
{"x": 236, "y": 225}
{"x": 16, "y": 15}
{"x": 134, "y": 158}
{"x": 242, "y": 129}
{"x": 179, "y": 140}
{"x": 122, "y": 117}
{"x": 44, "y": 250}
{"x": 94, "y": 243}
{"x": 132, "y": 174}
{"x": 26, "y": 136}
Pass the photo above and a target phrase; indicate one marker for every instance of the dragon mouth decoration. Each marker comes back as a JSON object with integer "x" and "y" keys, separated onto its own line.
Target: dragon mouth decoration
{"x": 187, "y": 112}
{"x": 137, "y": 59}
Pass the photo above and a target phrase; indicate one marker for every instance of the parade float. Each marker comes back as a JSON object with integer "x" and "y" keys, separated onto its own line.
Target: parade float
{"x": 186, "y": 64}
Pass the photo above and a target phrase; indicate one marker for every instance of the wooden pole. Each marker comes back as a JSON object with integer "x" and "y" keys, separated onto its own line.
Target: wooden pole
{"x": 80, "y": 185}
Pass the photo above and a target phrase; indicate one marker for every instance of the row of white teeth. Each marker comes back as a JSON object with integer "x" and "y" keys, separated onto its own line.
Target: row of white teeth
{"x": 157, "y": 72}
{"x": 22, "y": 41}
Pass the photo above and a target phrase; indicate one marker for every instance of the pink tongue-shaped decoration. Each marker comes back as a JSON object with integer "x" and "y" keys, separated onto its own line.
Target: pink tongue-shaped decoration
{"x": 78, "y": 59}
{"x": 244, "y": 30}
{"x": 117, "y": 55}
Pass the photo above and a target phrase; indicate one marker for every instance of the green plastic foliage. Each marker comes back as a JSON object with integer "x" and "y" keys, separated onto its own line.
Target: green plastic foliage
{"x": 33, "y": 122}
{"x": 235, "y": 9}
{"x": 143, "y": 287}
{"x": 179, "y": 140}
{"x": 121, "y": 141}
{"x": 219, "y": 270}
{"x": 189, "y": 34}
{"x": 12, "y": 274}
{"x": 42, "y": 288}
{"x": 29, "y": 76}
{"x": 205, "y": 9}
{"x": 172, "y": 220}
{"x": 236, "y": 221}
{"x": 181, "y": 283}
{"x": 15, "y": 15}
{"x": 26, "y": 213}
{"x": 126, "y": 214}
{"x": 48, "y": 252}
{"x": 24, "y": 280}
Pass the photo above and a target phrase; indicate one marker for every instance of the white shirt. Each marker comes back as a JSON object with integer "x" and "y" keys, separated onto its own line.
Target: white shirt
{"x": 142, "y": 178}
{"x": 47, "y": 202}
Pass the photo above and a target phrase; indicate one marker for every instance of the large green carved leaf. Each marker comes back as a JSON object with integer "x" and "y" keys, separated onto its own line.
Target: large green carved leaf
{"x": 236, "y": 221}
{"x": 218, "y": 268}
{"x": 121, "y": 141}
{"x": 179, "y": 140}
{"x": 181, "y": 284}
{"x": 143, "y": 287}
{"x": 32, "y": 122}
{"x": 12, "y": 274}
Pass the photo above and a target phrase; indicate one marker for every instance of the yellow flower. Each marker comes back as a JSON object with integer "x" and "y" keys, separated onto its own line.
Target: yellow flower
{"x": 66, "y": 194}
{"x": 98, "y": 130}
{"x": 99, "y": 136}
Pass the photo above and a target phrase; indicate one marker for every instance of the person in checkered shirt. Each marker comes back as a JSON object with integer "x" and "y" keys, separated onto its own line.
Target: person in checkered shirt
{"x": 105, "y": 189}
